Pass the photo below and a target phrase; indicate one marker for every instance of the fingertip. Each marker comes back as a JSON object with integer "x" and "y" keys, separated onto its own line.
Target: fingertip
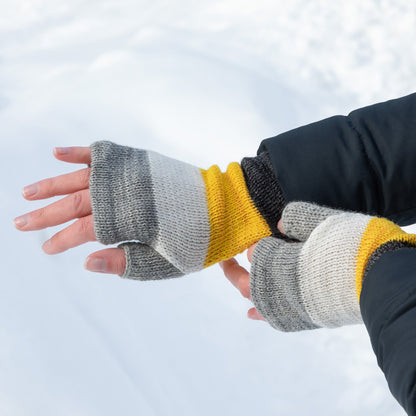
{"x": 21, "y": 221}
{"x": 47, "y": 247}
{"x": 250, "y": 251}
{"x": 61, "y": 151}
{"x": 280, "y": 226}
{"x": 73, "y": 154}
{"x": 111, "y": 261}
{"x": 254, "y": 314}
{"x": 30, "y": 191}
{"x": 251, "y": 314}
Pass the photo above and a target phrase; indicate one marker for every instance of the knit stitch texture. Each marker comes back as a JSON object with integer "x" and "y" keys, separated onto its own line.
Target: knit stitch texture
{"x": 316, "y": 282}
{"x": 264, "y": 189}
{"x": 172, "y": 218}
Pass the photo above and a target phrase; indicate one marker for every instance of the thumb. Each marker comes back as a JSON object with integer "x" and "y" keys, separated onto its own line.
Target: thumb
{"x": 299, "y": 218}
{"x": 145, "y": 263}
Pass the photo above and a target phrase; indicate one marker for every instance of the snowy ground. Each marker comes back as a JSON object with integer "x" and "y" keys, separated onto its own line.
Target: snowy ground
{"x": 202, "y": 81}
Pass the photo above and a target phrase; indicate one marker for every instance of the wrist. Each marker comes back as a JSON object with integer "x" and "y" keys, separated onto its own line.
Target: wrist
{"x": 380, "y": 236}
{"x": 235, "y": 221}
{"x": 264, "y": 189}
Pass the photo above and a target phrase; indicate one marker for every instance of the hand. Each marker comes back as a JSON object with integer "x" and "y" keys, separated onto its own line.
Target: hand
{"x": 77, "y": 205}
{"x": 315, "y": 280}
{"x": 240, "y": 278}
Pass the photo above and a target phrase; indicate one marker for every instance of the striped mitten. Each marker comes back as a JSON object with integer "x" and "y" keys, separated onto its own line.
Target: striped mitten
{"x": 174, "y": 218}
{"x": 317, "y": 281}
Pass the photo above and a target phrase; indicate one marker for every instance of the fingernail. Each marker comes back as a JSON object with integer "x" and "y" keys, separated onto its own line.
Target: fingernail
{"x": 21, "y": 221}
{"x": 62, "y": 150}
{"x": 30, "y": 190}
{"x": 95, "y": 264}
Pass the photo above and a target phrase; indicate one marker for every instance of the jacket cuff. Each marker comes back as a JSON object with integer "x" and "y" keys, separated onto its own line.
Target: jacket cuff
{"x": 393, "y": 245}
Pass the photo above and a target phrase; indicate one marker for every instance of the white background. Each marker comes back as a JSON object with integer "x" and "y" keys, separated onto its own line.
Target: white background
{"x": 202, "y": 81}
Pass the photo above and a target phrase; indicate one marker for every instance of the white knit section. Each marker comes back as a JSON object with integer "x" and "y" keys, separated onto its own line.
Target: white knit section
{"x": 327, "y": 270}
{"x": 182, "y": 212}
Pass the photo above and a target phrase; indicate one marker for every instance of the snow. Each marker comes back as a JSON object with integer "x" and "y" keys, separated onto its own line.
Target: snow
{"x": 203, "y": 82}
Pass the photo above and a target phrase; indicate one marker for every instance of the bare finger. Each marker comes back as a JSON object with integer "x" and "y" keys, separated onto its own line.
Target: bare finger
{"x": 250, "y": 251}
{"x": 73, "y": 206}
{"x": 280, "y": 226}
{"x": 80, "y": 232}
{"x": 237, "y": 275}
{"x": 58, "y": 185}
{"x": 109, "y": 260}
{"x": 254, "y": 314}
{"x": 74, "y": 154}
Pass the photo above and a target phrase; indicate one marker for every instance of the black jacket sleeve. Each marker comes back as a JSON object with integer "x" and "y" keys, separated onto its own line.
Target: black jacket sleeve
{"x": 388, "y": 308}
{"x": 365, "y": 161}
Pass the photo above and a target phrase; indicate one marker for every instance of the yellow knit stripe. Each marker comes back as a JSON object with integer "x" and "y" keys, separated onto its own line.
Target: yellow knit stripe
{"x": 235, "y": 221}
{"x": 377, "y": 232}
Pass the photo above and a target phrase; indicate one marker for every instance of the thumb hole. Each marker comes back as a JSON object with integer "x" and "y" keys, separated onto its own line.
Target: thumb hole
{"x": 145, "y": 263}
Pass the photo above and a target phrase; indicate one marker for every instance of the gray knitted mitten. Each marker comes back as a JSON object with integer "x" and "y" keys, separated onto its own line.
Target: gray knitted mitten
{"x": 317, "y": 281}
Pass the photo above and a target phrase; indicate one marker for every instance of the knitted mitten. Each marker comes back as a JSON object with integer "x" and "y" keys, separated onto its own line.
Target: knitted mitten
{"x": 317, "y": 281}
{"x": 174, "y": 218}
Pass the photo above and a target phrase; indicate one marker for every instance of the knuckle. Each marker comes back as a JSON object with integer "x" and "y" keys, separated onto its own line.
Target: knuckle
{"x": 84, "y": 177}
{"x": 228, "y": 268}
{"x": 86, "y": 228}
{"x": 47, "y": 186}
{"x": 76, "y": 201}
{"x": 85, "y": 225}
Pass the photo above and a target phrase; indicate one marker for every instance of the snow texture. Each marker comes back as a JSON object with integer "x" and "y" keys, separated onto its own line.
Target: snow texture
{"x": 203, "y": 82}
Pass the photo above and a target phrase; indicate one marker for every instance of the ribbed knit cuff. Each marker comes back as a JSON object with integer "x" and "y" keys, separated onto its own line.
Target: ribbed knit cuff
{"x": 274, "y": 286}
{"x": 264, "y": 189}
{"x": 144, "y": 263}
{"x": 121, "y": 194}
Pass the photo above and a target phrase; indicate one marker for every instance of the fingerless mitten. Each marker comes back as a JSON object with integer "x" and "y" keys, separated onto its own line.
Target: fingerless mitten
{"x": 173, "y": 218}
{"x": 316, "y": 282}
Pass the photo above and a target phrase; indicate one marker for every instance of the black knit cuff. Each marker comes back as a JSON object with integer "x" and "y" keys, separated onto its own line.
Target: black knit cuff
{"x": 264, "y": 189}
{"x": 393, "y": 245}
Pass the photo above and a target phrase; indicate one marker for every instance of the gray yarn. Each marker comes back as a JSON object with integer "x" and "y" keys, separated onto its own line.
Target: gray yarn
{"x": 274, "y": 285}
{"x": 311, "y": 283}
{"x": 144, "y": 263}
{"x": 121, "y": 194}
{"x": 299, "y": 219}
{"x": 155, "y": 203}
